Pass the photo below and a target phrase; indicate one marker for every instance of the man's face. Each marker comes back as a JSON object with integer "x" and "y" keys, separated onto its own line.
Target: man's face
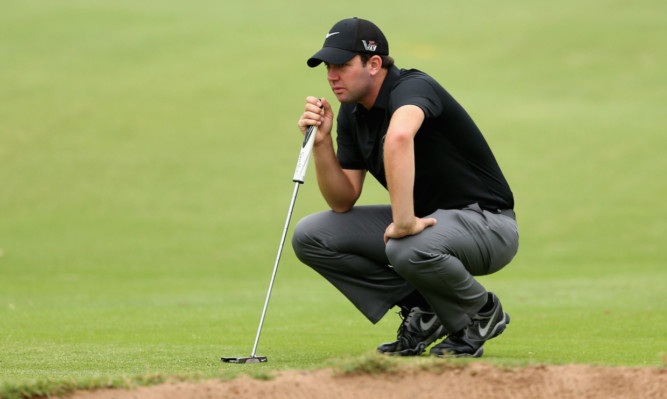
{"x": 350, "y": 82}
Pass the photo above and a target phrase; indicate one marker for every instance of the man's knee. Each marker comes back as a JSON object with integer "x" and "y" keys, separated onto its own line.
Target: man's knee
{"x": 302, "y": 238}
{"x": 308, "y": 239}
{"x": 404, "y": 256}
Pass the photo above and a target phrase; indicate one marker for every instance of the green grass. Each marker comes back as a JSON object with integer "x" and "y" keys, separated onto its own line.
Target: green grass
{"x": 146, "y": 155}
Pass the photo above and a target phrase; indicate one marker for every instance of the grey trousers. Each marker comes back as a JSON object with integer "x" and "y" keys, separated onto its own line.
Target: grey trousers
{"x": 348, "y": 250}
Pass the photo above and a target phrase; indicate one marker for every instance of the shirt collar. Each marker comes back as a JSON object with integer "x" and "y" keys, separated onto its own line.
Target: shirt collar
{"x": 382, "y": 100}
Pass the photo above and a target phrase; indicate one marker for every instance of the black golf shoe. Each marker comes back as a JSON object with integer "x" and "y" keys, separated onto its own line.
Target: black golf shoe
{"x": 418, "y": 330}
{"x": 469, "y": 341}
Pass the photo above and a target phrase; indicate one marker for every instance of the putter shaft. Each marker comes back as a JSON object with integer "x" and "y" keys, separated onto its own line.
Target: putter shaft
{"x": 275, "y": 266}
{"x": 299, "y": 175}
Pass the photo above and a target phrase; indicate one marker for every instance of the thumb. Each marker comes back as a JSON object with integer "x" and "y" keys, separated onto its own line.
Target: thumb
{"x": 326, "y": 105}
{"x": 430, "y": 221}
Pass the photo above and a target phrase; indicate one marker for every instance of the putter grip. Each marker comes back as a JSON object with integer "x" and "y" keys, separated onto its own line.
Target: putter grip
{"x": 304, "y": 155}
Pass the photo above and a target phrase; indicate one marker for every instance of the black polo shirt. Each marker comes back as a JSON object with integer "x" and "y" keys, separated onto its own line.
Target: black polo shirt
{"x": 454, "y": 165}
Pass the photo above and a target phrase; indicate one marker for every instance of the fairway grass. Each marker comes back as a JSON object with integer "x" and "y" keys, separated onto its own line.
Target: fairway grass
{"x": 146, "y": 156}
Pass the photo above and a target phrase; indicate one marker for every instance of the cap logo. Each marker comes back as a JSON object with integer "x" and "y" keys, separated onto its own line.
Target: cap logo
{"x": 370, "y": 46}
{"x": 331, "y": 34}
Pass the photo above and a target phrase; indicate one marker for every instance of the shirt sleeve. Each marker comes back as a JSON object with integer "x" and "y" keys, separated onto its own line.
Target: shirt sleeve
{"x": 417, "y": 90}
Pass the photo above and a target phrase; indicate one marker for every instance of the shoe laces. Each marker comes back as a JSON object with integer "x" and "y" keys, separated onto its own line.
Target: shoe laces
{"x": 404, "y": 332}
{"x": 406, "y": 320}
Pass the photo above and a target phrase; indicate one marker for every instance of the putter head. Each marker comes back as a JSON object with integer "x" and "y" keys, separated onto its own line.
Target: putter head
{"x": 240, "y": 360}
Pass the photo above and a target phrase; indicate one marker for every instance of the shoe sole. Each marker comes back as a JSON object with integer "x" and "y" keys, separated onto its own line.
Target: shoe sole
{"x": 411, "y": 352}
{"x": 478, "y": 353}
{"x": 421, "y": 347}
{"x": 406, "y": 352}
{"x": 497, "y": 330}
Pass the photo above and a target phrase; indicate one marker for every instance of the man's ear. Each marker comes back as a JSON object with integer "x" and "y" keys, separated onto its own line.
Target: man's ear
{"x": 375, "y": 64}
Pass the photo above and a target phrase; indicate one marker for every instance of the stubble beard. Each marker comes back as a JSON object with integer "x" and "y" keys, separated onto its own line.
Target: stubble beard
{"x": 348, "y": 97}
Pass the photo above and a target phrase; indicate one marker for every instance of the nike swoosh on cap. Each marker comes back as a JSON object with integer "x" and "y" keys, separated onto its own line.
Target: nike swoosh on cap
{"x": 331, "y": 34}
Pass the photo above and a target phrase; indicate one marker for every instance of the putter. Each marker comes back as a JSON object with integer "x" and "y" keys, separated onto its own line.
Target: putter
{"x": 298, "y": 179}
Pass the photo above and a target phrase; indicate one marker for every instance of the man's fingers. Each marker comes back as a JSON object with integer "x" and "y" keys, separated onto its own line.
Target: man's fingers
{"x": 386, "y": 232}
{"x": 317, "y": 112}
{"x": 314, "y": 108}
{"x": 313, "y": 113}
{"x": 391, "y": 231}
{"x": 309, "y": 119}
{"x": 326, "y": 105}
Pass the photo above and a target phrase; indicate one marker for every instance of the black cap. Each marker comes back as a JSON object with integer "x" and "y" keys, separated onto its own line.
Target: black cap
{"x": 348, "y": 38}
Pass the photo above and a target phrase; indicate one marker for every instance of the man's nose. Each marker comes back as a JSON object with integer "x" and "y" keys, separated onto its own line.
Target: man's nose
{"x": 332, "y": 74}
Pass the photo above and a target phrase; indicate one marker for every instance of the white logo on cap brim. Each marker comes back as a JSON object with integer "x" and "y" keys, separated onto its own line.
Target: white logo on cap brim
{"x": 331, "y": 34}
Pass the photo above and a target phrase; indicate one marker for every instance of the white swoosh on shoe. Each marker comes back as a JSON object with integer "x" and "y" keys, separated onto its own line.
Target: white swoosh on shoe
{"x": 485, "y": 330}
{"x": 428, "y": 324}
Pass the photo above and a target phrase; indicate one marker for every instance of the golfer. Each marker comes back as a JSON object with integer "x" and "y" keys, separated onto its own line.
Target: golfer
{"x": 451, "y": 215}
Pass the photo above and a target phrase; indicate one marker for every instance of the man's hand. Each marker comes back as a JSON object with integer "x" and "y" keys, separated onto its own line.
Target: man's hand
{"x": 418, "y": 225}
{"x": 340, "y": 188}
{"x": 318, "y": 113}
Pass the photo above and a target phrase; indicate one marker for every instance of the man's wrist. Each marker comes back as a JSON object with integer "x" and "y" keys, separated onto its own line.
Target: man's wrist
{"x": 405, "y": 224}
{"x": 325, "y": 141}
